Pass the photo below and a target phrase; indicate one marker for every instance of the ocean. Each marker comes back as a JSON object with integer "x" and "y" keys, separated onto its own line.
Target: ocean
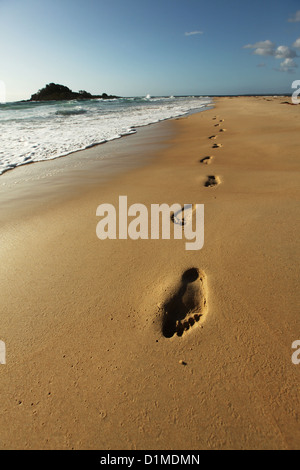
{"x": 37, "y": 131}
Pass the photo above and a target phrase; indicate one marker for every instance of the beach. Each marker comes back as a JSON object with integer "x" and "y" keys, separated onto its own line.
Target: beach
{"x": 88, "y": 364}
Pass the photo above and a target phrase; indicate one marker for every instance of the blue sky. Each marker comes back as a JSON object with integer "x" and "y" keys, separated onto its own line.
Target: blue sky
{"x": 131, "y": 47}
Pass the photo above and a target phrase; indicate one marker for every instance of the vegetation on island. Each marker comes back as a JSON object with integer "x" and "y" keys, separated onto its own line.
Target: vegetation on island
{"x": 55, "y": 92}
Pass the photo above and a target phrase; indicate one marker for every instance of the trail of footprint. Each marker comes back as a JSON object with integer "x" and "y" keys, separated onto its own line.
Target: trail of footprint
{"x": 207, "y": 160}
{"x": 187, "y": 306}
{"x": 217, "y": 146}
{"x": 185, "y": 215}
{"x": 212, "y": 181}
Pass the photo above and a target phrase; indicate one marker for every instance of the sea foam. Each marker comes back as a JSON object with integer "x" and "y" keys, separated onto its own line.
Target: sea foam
{"x": 32, "y": 132}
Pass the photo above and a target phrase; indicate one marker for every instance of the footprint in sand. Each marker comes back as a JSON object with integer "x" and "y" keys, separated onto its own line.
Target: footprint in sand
{"x": 217, "y": 146}
{"x": 222, "y": 130}
{"x": 222, "y": 120}
{"x": 185, "y": 215}
{"x": 213, "y": 137}
{"x": 217, "y": 125}
{"x": 212, "y": 181}
{"x": 206, "y": 160}
{"x": 186, "y": 307}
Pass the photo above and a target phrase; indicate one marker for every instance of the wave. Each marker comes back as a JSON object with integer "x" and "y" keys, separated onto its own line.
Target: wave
{"x": 70, "y": 112}
{"x": 38, "y": 133}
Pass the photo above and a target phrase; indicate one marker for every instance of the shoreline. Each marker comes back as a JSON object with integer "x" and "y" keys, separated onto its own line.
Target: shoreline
{"x": 65, "y": 175}
{"x": 101, "y": 125}
{"x": 88, "y": 366}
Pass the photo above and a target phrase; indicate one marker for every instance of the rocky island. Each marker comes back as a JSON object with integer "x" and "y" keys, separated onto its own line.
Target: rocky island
{"x": 55, "y": 92}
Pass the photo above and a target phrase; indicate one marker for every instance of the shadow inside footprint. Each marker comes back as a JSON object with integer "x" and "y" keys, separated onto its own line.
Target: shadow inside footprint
{"x": 211, "y": 181}
{"x": 185, "y": 308}
{"x": 206, "y": 160}
{"x": 184, "y": 215}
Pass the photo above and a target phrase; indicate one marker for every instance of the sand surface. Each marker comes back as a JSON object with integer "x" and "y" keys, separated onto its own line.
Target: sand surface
{"x": 88, "y": 365}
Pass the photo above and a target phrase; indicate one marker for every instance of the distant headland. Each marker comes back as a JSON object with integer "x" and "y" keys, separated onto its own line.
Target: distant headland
{"x": 55, "y": 92}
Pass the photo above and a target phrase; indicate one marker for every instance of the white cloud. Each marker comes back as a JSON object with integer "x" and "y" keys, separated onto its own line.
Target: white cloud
{"x": 266, "y": 43}
{"x": 284, "y": 52}
{"x": 193, "y": 33}
{"x": 268, "y": 48}
{"x": 297, "y": 43}
{"x": 264, "y": 48}
{"x": 295, "y": 18}
{"x": 288, "y": 65}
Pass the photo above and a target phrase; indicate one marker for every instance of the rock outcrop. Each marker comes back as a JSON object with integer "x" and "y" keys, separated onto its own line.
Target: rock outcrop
{"x": 55, "y": 92}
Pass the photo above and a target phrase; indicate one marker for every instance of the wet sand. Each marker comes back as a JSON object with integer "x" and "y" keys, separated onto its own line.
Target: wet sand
{"x": 91, "y": 359}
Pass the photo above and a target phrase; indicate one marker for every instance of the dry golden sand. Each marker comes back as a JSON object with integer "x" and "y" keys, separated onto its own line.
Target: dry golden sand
{"x": 87, "y": 363}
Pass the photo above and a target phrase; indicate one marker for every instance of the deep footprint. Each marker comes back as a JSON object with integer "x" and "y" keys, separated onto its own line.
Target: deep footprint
{"x": 187, "y": 306}
{"x": 213, "y": 137}
{"x": 212, "y": 181}
{"x": 206, "y": 160}
{"x": 217, "y": 146}
{"x": 184, "y": 216}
